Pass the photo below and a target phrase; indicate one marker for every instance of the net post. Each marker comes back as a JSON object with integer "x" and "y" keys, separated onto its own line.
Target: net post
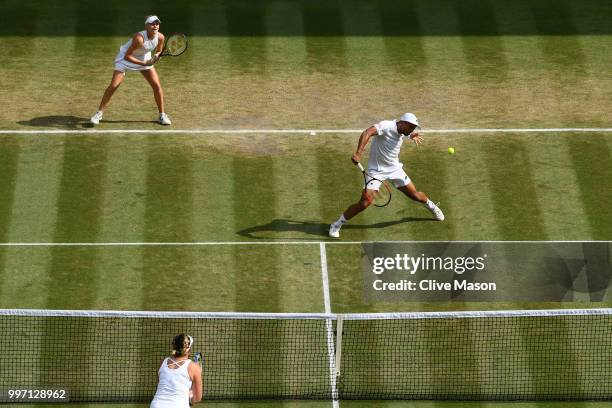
{"x": 339, "y": 330}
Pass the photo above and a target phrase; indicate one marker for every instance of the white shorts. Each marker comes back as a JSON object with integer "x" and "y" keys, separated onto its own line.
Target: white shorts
{"x": 398, "y": 177}
{"x": 124, "y": 66}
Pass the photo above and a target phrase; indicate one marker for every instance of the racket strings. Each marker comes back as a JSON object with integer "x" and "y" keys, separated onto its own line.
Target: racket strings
{"x": 176, "y": 44}
{"x": 379, "y": 192}
{"x": 382, "y": 196}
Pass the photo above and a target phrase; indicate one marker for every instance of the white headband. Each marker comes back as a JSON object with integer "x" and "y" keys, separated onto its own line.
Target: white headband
{"x": 190, "y": 342}
{"x": 152, "y": 19}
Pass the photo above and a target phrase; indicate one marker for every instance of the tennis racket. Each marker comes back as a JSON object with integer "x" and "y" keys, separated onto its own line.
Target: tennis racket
{"x": 175, "y": 45}
{"x": 382, "y": 194}
{"x": 198, "y": 358}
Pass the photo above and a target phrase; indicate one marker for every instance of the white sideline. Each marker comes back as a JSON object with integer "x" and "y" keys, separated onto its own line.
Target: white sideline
{"x": 312, "y": 132}
{"x": 239, "y": 243}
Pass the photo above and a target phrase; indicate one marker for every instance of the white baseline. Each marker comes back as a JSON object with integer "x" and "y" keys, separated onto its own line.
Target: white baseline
{"x": 311, "y": 132}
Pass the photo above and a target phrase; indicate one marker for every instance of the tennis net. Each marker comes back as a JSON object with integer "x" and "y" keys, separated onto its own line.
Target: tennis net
{"x": 106, "y": 356}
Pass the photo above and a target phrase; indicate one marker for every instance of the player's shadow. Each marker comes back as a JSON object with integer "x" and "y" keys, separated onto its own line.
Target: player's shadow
{"x": 318, "y": 229}
{"x": 58, "y": 121}
{"x": 71, "y": 122}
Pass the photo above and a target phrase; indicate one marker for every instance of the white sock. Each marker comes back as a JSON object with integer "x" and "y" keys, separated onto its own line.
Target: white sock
{"x": 430, "y": 204}
{"x": 340, "y": 221}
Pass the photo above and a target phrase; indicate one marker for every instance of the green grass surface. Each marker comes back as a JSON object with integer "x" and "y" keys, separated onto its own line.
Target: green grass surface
{"x": 279, "y": 65}
{"x": 228, "y": 187}
{"x": 358, "y": 404}
{"x": 339, "y": 64}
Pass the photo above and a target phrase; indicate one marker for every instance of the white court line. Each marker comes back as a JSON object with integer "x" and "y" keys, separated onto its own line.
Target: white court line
{"x": 329, "y": 326}
{"x": 325, "y": 277}
{"x": 238, "y": 243}
{"x": 311, "y": 132}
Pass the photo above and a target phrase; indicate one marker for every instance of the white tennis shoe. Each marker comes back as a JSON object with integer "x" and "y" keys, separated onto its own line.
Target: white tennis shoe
{"x": 96, "y": 118}
{"x": 334, "y": 230}
{"x": 164, "y": 119}
{"x": 437, "y": 212}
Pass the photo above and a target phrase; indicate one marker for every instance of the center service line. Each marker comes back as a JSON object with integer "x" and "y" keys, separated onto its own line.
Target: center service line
{"x": 329, "y": 326}
{"x": 325, "y": 278}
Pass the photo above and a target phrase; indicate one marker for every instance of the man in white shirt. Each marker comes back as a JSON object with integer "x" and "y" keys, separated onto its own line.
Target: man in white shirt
{"x": 387, "y": 138}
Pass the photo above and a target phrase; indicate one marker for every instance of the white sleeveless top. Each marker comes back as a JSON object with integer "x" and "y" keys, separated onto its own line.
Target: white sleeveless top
{"x": 173, "y": 387}
{"x": 385, "y": 148}
{"x": 143, "y": 53}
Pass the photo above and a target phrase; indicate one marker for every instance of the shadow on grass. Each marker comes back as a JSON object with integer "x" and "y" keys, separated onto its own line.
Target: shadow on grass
{"x": 318, "y": 229}
{"x": 59, "y": 122}
{"x": 72, "y": 122}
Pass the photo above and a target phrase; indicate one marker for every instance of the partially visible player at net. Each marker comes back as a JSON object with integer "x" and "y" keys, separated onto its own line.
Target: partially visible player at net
{"x": 180, "y": 379}
{"x": 387, "y": 138}
{"x": 140, "y": 53}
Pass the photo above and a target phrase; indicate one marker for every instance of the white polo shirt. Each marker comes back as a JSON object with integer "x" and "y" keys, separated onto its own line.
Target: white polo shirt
{"x": 385, "y": 148}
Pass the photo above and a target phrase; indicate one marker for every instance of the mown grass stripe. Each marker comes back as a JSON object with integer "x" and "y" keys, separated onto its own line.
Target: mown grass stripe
{"x": 288, "y": 55}
{"x": 441, "y": 51}
{"x": 559, "y": 197}
{"x": 595, "y": 93}
{"x": 124, "y": 214}
{"x": 297, "y": 219}
{"x": 518, "y": 215}
{"x": 283, "y": 17}
{"x": 257, "y": 276}
{"x": 427, "y": 169}
{"x": 338, "y": 188}
{"x": 255, "y": 198}
{"x": 534, "y": 360}
{"x": 248, "y": 53}
{"x": 79, "y": 216}
{"x": 468, "y": 191}
{"x": 326, "y": 51}
{"x": 9, "y": 162}
{"x": 213, "y": 177}
{"x": 33, "y": 214}
{"x": 20, "y": 22}
{"x": 591, "y": 162}
{"x": 213, "y": 216}
{"x": 485, "y": 56}
{"x": 359, "y": 15}
{"x": 525, "y": 61}
{"x": 549, "y": 159}
{"x": 297, "y": 214}
{"x": 72, "y": 279}
{"x": 168, "y": 217}
{"x": 563, "y": 52}
{"x": 406, "y": 54}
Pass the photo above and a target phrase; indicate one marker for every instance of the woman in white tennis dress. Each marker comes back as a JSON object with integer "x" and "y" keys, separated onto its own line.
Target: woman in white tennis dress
{"x": 138, "y": 54}
{"x": 180, "y": 379}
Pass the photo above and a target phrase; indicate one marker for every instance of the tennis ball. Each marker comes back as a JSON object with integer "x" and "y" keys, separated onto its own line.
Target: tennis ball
{"x": 451, "y": 150}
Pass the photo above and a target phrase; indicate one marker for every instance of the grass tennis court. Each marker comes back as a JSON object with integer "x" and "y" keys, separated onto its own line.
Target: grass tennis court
{"x": 295, "y": 64}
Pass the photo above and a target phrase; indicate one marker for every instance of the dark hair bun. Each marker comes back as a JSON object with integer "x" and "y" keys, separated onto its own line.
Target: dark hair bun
{"x": 181, "y": 344}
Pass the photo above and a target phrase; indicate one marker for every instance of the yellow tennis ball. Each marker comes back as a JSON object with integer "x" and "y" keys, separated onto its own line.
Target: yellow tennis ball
{"x": 451, "y": 150}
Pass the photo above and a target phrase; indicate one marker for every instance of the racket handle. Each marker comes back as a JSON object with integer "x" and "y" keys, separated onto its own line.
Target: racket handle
{"x": 360, "y": 166}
